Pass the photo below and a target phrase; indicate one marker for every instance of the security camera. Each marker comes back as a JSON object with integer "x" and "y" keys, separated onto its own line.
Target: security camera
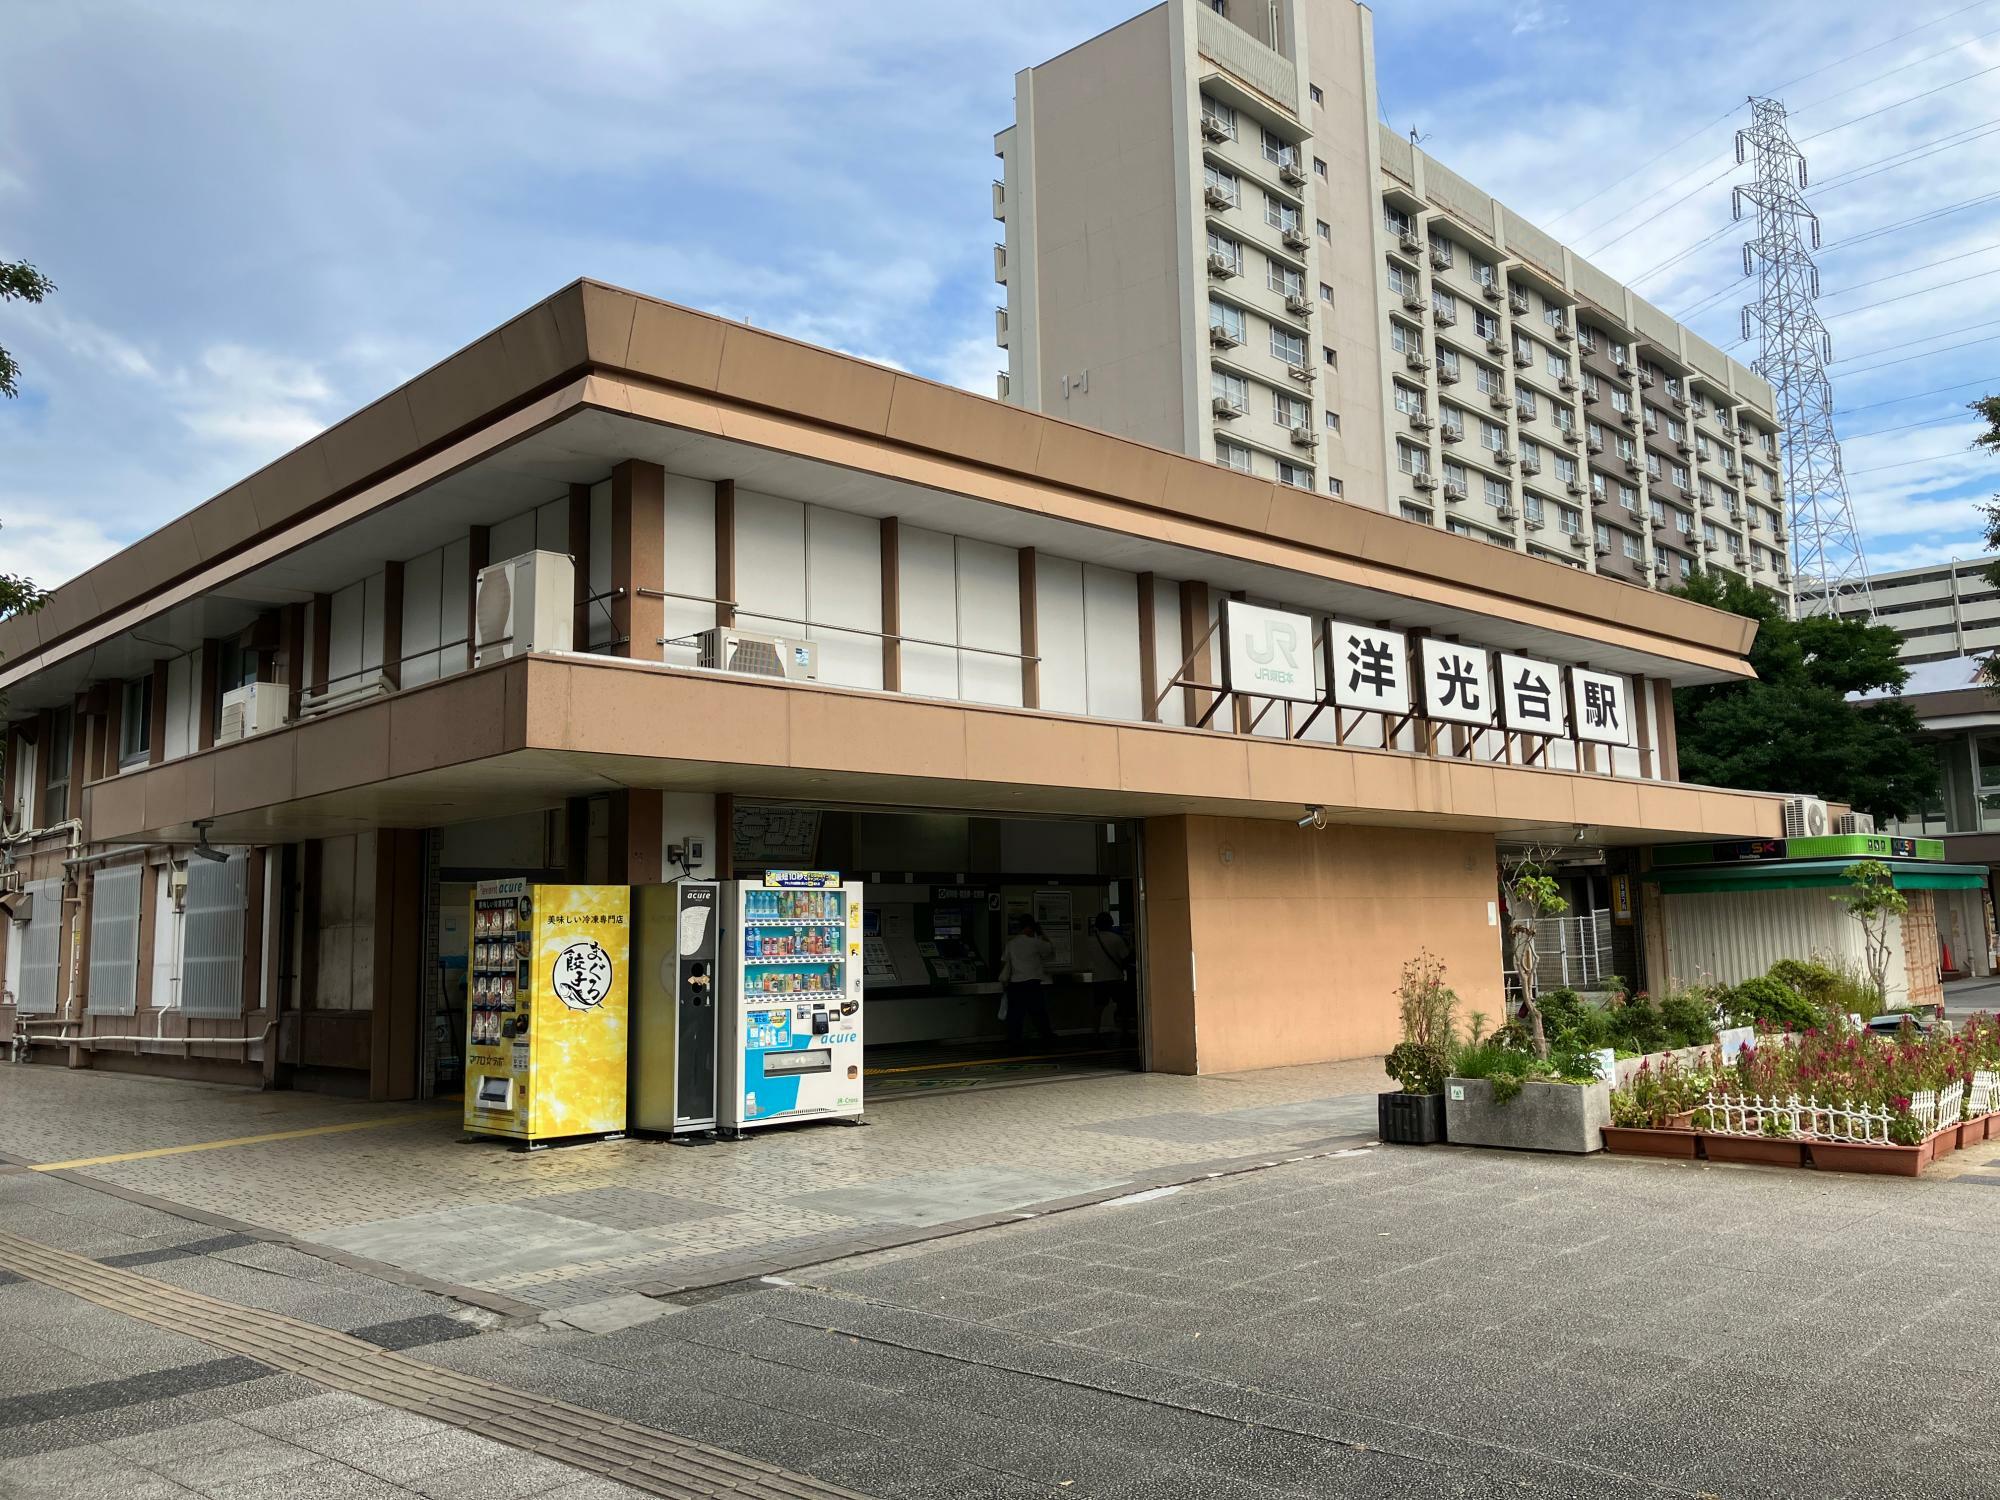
{"x": 1315, "y": 818}
{"x": 203, "y": 849}
{"x": 1581, "y": 831}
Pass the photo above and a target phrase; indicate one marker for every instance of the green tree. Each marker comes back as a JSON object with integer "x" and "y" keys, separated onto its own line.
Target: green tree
{"x": 1988, "y": 408}
{"x": 1873, "y": 901}
{"x": 1793, "y": 730}
{"x": 19, "y": 282}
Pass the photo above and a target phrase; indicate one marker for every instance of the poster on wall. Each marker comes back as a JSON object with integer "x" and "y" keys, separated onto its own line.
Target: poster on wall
{"x": 1055, "y": 914}
{"x": 764, "y": 836}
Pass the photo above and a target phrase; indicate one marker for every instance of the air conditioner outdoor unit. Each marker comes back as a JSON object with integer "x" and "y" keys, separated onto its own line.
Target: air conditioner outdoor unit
{"x": 1579, "y": 540}
{"x": 1417, "y": 360}
{"x": 1440, "y": 259}
{"x": 1295, "y": 237}
{"x": 251, "y": 709}
{"x": 1446, "y": 318}
{"x": 527, "y": 603}
{"x": 1506, "y": 512}
{"x": 1304, "y": 437}
{"x": 1518, "y": 301}
{"x": 1420, "y": 421}
{"x": 1221, "y": 337}
{"x": 727, "y": 649}
{"x": 1575, "y": 486}
{"x": 1567, "y": 384}
{"x": 1631, "y": 466}
{"x": 1498, "y": 398}
{"x": 1562, "y": 333}
{"x": 1291, "y": 171}
{"x": 1854, "y": 822}
{"x": 1413, "y": 301}
{"x": 1571, "y": 437}
{"x": 1496, "y": 345}
{"x": 1454, "y": 491}
{"x": 1603, "y": 547}
{"x": 1424, "y": 480}
{"x": 1447, "y": 375}
{"x": 1297, "y": 304}
{"x": 1684, "y": 445}
{"x": 1530, "y": 464}
{"x": 1597, "y": 445}
{"x": 1805, "y": 818}
{"x": 1216, "y": 198}
{"x": 1629, "y": 418}
{"x": 1522, "y": 358}
{"x": 1214, "y": 129}
{"x": 1224, "y": 408}
{"x": 1451, "y": 432}
{"x": 1492, "y": 291}
{"x": 1411, "y": 241}
{"x": 1503, "y": 457}
{"x": 1220, "y": 264}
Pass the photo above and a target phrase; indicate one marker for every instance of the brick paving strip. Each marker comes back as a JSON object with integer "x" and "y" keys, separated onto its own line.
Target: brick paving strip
{"x": 642, "y": 1457}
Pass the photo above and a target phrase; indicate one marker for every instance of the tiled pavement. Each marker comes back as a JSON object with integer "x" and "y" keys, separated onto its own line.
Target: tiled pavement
{"x": 578, "y": 1229}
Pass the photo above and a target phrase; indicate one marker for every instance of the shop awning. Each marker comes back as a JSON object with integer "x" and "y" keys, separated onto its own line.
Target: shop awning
{"x": 1802, "y": 874}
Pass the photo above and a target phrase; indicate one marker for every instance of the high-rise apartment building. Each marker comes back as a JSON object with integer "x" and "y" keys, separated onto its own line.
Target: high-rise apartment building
{"x": 1942, "y": 610}
{"x": 1213, "y": 245}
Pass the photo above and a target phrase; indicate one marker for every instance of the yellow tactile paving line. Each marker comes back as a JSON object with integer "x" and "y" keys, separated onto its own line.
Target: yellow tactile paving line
{"x": 646, "y": 1459}
{"x": 339, "y": 1128}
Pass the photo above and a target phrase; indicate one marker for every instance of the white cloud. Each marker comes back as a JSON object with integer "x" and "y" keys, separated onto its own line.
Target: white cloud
{"x": 45, "y": 545}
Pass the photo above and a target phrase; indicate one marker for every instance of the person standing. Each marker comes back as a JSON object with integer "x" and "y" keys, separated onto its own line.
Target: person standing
{"x": 1111, "y": 968}
{"x": 1024, "y": 971}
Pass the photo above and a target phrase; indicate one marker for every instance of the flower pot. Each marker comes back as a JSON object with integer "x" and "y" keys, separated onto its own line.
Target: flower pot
{"x": 1543, "y": 1117}
{"x": 1683, "y": 1120}
{"x": 1880, "y": 1160}
{"x": 1627, "y": 1140}
{"x": 1969, "y": 1132}
{"x": 1758, "y": 1150}
{"x": 1944, "y": 1142}
{"x": 1410, "y": 1119}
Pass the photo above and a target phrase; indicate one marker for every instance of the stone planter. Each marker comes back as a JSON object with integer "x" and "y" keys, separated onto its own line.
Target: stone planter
{"x": 1754, "y": 1150}
{"x": 1627, "y": 1140}
{"x": 1542, "y": 1117}
{"x": 1881, "y": 1161}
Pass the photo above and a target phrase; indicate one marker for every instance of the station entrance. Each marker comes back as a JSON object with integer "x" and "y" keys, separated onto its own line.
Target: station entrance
{"x": 945, "y": 894}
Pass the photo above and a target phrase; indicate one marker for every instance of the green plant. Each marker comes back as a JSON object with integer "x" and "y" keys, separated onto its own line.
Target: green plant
{"x": 1637, "y": 1025}
{"x": 1574, "y": 1023}
{"x": 1429, "y": 1011}
{"x": 1873, "y": 900}
{"x": 1532, "y": 893}
{"x": 1689, "y": 1017}
{"x": 1763, "y": 1000}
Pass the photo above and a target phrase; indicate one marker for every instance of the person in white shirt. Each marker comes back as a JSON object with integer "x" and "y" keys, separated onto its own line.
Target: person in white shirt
{"x": 1110, "y": 961}
{"x": 1024, "y": 971}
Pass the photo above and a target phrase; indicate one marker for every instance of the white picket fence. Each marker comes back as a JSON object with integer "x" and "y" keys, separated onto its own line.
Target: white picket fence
{"x": 1790, "y": 1116}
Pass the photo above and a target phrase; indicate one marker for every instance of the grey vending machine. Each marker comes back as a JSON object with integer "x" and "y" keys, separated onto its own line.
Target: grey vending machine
{"x": 674, "y": 987}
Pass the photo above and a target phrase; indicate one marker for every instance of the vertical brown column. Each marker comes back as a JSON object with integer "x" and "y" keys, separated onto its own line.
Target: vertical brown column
{"x": 477, "y": 551}
{"x": 1195, "y": 652}
{"x": 322, "y": 641}
{"x": 312, "y": 860}
{"x": 725, "y": 551}
{"x": 10, "y": 762}
{"x": 638, "y": 558}
{"x": 1149, "y": 654}
{"x": 209, "y": 678}
{"x": 111, "y": 737}
{"x": 156, "y": 737}
{"x": 892, "y": 605}
{"x": 396, "y": 1023}
{"x": 1241, "y": 710}
{"x": 1665, "y": 734}
{"x": 1170, "y": 971}
{"x": 292, "y": 655}
{"x": 1031, "y": 633}
{"x": 725, "y": 836}
{"x": 1643, "y": 689}
{"x": 392, "y": 625}
{"x": 637, "y": 846}
{"x": 579, "y": 556}
{"x": 253, "y": 938}
{"x": 79, "y": 762}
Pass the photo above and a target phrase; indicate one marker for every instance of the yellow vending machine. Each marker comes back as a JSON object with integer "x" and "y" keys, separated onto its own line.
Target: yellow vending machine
{"x": 545, "y": 1017}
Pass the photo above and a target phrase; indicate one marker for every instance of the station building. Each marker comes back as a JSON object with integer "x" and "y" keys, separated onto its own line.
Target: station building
{"x": 813, "y": 612}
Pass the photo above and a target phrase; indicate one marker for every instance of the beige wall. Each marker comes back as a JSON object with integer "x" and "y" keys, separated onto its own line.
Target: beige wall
{"x": 1099, "y": 142}
{"x": 1269, "y": 944}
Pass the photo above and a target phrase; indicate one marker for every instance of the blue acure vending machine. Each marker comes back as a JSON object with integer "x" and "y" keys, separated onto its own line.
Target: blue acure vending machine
{"x": 791, "y": 1024}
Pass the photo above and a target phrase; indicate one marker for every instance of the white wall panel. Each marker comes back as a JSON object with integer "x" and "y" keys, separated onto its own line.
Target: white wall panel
{"x": 182, "y": 675}
{"x": 511, "y": 537}
{"x": 770, "y": 564}
{"x": 1111, "y": 642}
{"x": 1167, "y": 653}
{"x": 552, "y": 526}
{"x": 989, "y": 616}
{"x": 1059, "y": 631}
{"x": 690, "y": 561}
{"x": 927, "y": 588}
{"x": 166, "y": 944}
{"x": 454, "y": 607}
{"x": 423, "y": 588}
{"x": 844, "y": 588}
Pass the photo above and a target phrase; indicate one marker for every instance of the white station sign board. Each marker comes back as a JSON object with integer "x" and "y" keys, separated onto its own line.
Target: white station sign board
{"x": 1531, "y": 695}
{"x": 1368, "y": 667}
{"x": 1457, "y": 683}
{"x": 1602, "y": 706}
{"x": 1267, "y": 653}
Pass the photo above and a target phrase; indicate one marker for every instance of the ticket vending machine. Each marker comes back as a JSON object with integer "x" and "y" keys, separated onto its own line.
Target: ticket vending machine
{"x": 791, "y": 1022}
{"x": 545, "y": 1017}
{"x": 676, "y": 936}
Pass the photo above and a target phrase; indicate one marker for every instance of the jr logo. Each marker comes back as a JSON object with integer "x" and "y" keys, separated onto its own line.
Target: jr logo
{"x": 1274, "y": 646}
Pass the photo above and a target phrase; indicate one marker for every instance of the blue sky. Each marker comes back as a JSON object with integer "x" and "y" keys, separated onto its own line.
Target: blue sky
{"x": 261, "y": 216}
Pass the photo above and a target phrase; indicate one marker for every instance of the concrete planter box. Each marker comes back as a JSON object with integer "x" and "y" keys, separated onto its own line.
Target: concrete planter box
{"x": 1542, "y": 1117}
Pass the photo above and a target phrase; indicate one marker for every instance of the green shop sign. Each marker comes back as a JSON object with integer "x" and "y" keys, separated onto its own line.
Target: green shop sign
{"x": 1829, "y": 846}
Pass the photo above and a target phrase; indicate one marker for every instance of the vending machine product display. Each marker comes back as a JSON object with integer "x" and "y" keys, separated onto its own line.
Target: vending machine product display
{"x": 545, "y": 1017}
{"x": 676, "y": 936}
{"x": 791, "y": 1042}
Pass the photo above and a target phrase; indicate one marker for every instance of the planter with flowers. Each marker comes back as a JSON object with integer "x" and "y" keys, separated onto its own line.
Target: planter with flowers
{"x": 1414, "y": 1115}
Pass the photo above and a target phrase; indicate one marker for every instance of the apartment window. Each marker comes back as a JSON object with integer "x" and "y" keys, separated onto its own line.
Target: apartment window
{"x": 1457, "y": 527}
{"x": 1289, "y": 411}
{"x": 1333, "y": 421}
{"x": 1492, "y": 436}
{"x": 1707, "y": 489}
{"x": 1279, "y": 151}
{"x": 1288, "y": 346}
{"x": 1628, "y": 496}
{"x": 1298, "y": 477}
{"x": 1708, "y": 531}
{"x": 1487, "y": 379}
{"x": 1625, "y": 449}
{"x": 1683, "y": 522}
{"x": 1228, "y": 249}
{"x": 1318, "y": 94}
{"x": 1632, "y": 547}
{"x": 1441, "y": 250}
{"x": 1676, "y": 429}
{"x": 1483, "y": 272}
{"x": 1486, "y": 324}
{"x": 1598, "y": 490}
{"x": 1232, "y": 456}
{"x": 1653, "y": 464}
{"x": 1569, "y": 520}
{"x": 1319, "y": 166}
{"x": 1552, "y": 315}
{"x": 1412, "y": 460}
{"x": 1565, "y": 468}
{"x": 1702, "y": 449}
{"x": 1280, "y": 215}
{"x": 1524, "y": 349}
{"x": 1454, "y": 472}
{"x": 1444, "y": 306}
{"x": 1395, "y": 221}
{"x": 1531, "y": 457}
{"x": 1223, "y": 182}
{"x": 1334, "y": 486}
{"x": 1326, "y": 293}
{"x": 1230, "y": 320}
{"x": 1497, "y": 493}
{"x": 1325, "y": 230}
{"x": 1558, "y": 365}
{"x": 1286, "y": 281}
{"x": 1403, "y": 338}
{"x": 1770, "y": 446}
{"x": 1659, "y": 510}
{"x": 135, "y": 721}
{"x": 1681, "y": 475}
{"x": 1327, "y": 356}
{"x": 1231, "y": 388}
{"x": 1726, "y": 495}
{"x": 1448, "y": 362}
{"x": 1533, "y": 510}
{"x": 1408, "y": 401}
{"x": 1620, "y": 401}
{"x": 1686, "y": 566}
{"x": 1590, "y": 387}
{"x": 1594, "y": 434}
{"x": 1219, "y": 115}
{"x": 1401, "y": 282}
{"x": 1525, "y": 404}
{"x": 1411, "y": 512}
{"x": 1586, "y": 338}
{"x": 55, "y": 780}
{"x": 1565, "y": 418}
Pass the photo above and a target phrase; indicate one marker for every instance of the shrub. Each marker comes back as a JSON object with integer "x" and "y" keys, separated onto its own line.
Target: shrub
{"x": 1430, "y": 1027}
{"x": 1636, "y": 1026}
{"x": 1574, "y": 1023}
{"x": 1813, "y": 980}
{"x": 1689, "y": 1018}
{"x": 1418, "y": 1070}
{"x": 1768, "y": 1002}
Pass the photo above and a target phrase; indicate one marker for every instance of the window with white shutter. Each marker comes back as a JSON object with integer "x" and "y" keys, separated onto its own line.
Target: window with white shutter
{"x": 212, "y": 937}
{"x": 114, "y": 940}
{"x": 41, "y": 942}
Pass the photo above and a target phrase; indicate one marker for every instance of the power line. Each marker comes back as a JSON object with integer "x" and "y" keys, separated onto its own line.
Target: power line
{"x": 1634, "y": 229}
{"x": 1905, "y": 343}
{"x": 1925, "y": 354}
{"x": 1896, "y": 275}
{"x": 1585, "y": 203}
{"x": 1900, "y": 68}
{"x": 1900, "y": 103}
{"x": 1849, "y": 312}
{"x": 1928, "y": 458}
{"x": 1908, "y": 155}
{"x": 1676, "y": 259}
{"x": 1910, "y": 223}
{"x": 1943, "y": 390}
{"x": 1878, "y": 46}
{"x": 1904, "y": 427}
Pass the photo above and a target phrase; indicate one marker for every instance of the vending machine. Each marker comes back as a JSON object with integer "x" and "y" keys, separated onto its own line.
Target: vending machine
{"x": 676, "y": 935}
{"x": 545, "y": 1019}
{"x": 791, "y": 1023}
